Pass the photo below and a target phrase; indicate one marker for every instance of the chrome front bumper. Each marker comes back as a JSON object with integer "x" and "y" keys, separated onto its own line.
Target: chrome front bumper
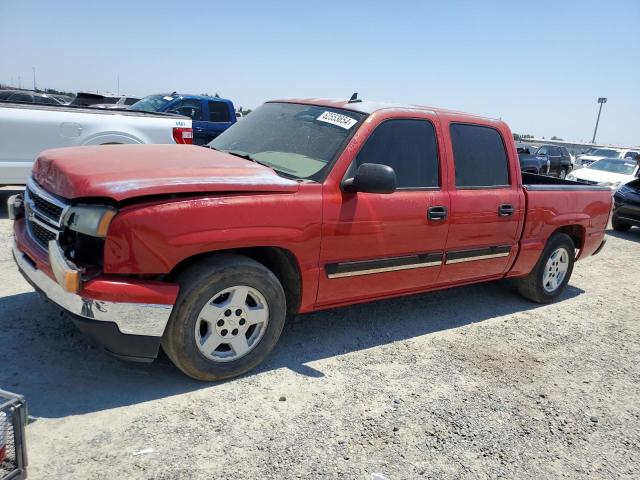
{"x": 131, "y": 318}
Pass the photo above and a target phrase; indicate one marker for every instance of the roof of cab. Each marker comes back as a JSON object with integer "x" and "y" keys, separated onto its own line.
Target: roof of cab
{"x": 369, "y": 106}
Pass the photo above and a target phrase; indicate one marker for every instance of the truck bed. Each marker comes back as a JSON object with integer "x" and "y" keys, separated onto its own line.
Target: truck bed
{"x": 82, "y": 109}
{"x": 533, "y": 182}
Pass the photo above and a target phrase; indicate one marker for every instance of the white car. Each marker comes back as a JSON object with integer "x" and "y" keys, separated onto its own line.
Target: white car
{"x": 596, "y": 154}
{"x": 608, "y": 172}
{"x": 26, "y": 130}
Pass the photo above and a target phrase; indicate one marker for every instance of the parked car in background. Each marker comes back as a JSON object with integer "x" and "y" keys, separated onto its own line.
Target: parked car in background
{"x": 25, "y": 96}
{"x": 210, "y": 115}
{"x": 121, "y": 103}
{"x": 559, "y": 159}
{"x": 26, "y": 130}
{"x": 530, "y": 163}
{"x": 599, "y": 153}
{"x": 302, "y": 206}
{"x": 88, "y": 99}
{"x": 608, "y": 172}
{"x": 626, "y": 208}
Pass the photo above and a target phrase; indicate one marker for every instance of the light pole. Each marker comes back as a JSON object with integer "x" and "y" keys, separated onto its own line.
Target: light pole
{"x": 34, "y": 78}
{"x": 601, "y": 101}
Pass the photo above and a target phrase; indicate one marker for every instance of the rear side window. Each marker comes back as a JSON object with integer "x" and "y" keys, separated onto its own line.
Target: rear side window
{"x": 555, "y": 151}
{"x": 218, "y": 112}
{"x": 407, "y": 146}
{"x": 479, "y": 156}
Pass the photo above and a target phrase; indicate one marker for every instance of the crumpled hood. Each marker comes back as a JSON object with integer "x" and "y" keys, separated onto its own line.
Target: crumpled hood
{"x": 127, "y": 171}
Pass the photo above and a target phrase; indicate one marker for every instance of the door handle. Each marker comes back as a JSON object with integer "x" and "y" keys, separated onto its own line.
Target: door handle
{"x": 505, "y": 210}
{"x": 437, "y": 213}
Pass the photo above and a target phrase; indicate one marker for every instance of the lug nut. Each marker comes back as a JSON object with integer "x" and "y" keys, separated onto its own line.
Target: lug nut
{"x": 238, "y": 312}
{"x": 224, "y": 333}
{"x": 242, "y": 321}
{"x": 227, "y": 313}
{"x": 220, "y": 323}
{"x": 234, "y": 331}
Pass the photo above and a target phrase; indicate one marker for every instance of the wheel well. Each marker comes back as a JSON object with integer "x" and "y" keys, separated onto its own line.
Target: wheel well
{"x": 576, "y": 232}
{"x": 280, "y": 261}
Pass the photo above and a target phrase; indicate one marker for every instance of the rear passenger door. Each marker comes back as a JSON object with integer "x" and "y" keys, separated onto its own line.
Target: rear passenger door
{"x": 555, "y": 160}
{"x": 486, "y": 204}
{"x": 219, "y": 118}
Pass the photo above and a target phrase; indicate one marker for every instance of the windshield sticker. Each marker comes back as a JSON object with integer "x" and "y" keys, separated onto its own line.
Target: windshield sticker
{"x": 337, "y": 119}
{"x": 168, "y": 99}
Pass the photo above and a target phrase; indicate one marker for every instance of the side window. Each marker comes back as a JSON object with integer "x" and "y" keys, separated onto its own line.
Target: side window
{"x": 21, "y": 97}
{"x": 479, "y": 156}
{"x": 554, "y": 151}
{"x": 542, "y": 151}
{"x": 218, "y": 112}
{"x": 190, "y": 108}
{"x": 407, "y": 146}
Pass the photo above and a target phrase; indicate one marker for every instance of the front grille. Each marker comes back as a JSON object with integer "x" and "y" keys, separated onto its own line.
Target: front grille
{"x": 44, "y": 214}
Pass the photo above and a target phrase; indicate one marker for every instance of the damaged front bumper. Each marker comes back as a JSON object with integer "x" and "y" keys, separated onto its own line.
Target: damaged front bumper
{"x": 127, "y": 317}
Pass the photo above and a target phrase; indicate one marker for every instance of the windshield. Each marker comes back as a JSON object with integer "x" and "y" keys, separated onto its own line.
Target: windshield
{"x": 615, "y": 166}
{"x": 295, "y": 140}
{"x": 151, "y": 103}
{"x": 605, "y": 152}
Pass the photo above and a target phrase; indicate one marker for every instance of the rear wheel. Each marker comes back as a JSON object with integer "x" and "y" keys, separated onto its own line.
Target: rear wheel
{"x": 619, "y": 226}
{"x": 228, "y": 317}
{"x": 551, "y": 274}
{"x": 563, "y": 173}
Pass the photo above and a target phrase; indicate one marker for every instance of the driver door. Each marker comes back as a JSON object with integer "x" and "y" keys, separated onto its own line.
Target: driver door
{"x": 377, "y": 245}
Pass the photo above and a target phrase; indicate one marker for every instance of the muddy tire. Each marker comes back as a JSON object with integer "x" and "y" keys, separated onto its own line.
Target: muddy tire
{"x": 551, "y": 274}
{"x": 228, "y": 317}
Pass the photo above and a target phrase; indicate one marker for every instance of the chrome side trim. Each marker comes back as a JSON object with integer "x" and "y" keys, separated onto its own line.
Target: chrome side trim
{"x": 131, "y": 318}
{"x": 478, "y": 257}
{"x": 385, "y": 269}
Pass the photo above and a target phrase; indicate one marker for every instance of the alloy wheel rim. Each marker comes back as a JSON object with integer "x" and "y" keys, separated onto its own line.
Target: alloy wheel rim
{"x": 231, "y": 323}
{"x": 555, "y": 270}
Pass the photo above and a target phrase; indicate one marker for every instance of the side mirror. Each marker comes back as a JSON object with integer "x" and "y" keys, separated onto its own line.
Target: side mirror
{"x": 542, "y": 154}
{"x": 371, "y": 178}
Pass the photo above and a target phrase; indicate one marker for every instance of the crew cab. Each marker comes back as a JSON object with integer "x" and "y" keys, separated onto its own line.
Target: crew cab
{"x": 210, "y": 115}
{"x": 26, "y": 130}
{"x": 305, "y": 205}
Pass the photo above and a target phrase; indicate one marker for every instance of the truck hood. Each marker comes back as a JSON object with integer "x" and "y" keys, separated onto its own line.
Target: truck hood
{"x": 121, "y": 172}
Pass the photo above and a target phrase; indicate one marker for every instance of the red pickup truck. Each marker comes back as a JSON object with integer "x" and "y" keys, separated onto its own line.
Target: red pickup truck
{"x": 302, "y": 206}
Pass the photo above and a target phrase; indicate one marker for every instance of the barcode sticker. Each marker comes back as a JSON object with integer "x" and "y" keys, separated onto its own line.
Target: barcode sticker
{"x": 338, "y": 119}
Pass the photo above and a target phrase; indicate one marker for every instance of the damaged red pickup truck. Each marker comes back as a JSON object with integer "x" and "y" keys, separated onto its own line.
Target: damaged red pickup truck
{"x": 302, "y": 206}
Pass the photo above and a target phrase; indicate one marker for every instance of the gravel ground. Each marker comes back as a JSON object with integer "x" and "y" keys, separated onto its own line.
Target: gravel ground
{"x": 473, "y": 382}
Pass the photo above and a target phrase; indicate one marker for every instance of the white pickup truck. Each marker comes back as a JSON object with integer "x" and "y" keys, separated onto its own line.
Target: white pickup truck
{"x": 26, "y": 130}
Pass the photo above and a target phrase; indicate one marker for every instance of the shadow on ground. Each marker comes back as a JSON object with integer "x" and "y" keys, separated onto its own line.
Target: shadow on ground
{"x": 43, "y": 357}
{"x": 632, "y": 235}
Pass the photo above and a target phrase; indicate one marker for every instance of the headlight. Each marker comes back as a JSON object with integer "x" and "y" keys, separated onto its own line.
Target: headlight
{"x": 90, "y": 220}
{"x": 571, "y": 177}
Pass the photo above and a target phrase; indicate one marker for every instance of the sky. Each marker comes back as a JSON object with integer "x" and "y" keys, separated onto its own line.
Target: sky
{"x": 540, "y": 66}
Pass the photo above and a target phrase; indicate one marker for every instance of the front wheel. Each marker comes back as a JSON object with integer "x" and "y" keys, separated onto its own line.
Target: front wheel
{"x": 228, "y": 317}
{"x": 551, "y": 274}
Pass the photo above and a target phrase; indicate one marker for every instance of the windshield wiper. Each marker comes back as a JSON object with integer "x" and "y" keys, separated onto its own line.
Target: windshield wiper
{"x": 246, "y": 156}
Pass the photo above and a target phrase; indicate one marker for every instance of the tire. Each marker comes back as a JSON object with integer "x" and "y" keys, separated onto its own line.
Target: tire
{"x": 619, "y": 226}
{"x": 563, "y": 173}
{"x": 203, "y": 304}
{"x": 533, "y": 285}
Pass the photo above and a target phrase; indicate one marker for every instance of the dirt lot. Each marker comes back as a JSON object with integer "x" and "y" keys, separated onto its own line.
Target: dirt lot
{"x": 473, "y": 382}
